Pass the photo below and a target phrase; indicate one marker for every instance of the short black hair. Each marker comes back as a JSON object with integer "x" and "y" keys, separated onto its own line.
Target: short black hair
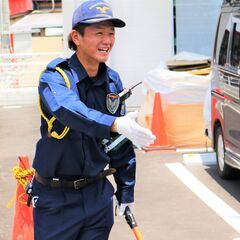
{"x": 80, "y": 28}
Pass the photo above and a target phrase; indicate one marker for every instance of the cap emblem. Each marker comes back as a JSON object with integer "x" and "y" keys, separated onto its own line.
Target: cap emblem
{"x": 103, "y": 9}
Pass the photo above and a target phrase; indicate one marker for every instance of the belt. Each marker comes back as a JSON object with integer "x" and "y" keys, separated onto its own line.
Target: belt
{"x": 74, "y": 184}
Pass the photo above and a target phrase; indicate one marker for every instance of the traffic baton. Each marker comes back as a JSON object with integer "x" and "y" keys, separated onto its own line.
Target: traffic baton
{"x": 132, "y": 223}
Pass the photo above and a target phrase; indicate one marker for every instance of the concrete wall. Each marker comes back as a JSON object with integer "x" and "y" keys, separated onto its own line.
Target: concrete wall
{"x": 141, "y": 45}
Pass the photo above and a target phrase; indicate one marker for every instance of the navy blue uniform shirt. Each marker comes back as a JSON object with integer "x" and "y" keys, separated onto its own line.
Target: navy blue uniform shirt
{"x": 83, "y": 109}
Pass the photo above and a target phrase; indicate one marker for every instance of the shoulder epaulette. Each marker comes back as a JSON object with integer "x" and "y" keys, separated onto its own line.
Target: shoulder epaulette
{"x": 55, "y": 62}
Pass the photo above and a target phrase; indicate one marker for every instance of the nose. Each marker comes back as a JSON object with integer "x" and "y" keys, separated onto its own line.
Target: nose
{"x": 108, "y": 39}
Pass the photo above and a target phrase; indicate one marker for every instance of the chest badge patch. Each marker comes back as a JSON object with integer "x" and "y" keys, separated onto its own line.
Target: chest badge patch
{"x": 112, "y": 102}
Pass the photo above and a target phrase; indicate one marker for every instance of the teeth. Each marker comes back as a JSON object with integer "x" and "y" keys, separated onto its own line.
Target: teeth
{"x": 103, "y": 49}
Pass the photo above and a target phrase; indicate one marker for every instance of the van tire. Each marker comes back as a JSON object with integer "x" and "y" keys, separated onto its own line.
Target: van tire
{"x": 224, "y": 170}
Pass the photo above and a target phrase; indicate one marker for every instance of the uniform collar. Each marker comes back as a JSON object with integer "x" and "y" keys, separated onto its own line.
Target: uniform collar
{"x": 76, "y": 65}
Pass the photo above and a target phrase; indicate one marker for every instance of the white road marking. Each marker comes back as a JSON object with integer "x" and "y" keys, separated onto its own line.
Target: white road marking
{"x": 12, "y": 106}
{"x": 199, "y": 158}
{"x": 227, "y": 213}
{"x": 192, "y": 150}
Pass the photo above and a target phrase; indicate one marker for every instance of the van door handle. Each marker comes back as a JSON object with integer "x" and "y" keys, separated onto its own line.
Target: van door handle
{"x": 225, "y": 78}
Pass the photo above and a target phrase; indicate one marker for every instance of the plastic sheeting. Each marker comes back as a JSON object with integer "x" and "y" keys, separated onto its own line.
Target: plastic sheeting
{"x": 178, "y": 87}
{"x": 183, "y": 95}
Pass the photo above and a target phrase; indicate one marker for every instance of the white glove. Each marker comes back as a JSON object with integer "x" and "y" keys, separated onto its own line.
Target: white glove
{"x": 123, "y": 206}
{"x": 129, "y": 128}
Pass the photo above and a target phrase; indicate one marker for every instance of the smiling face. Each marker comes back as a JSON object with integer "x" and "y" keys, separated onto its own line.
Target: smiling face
{"x": 95, "y": 44}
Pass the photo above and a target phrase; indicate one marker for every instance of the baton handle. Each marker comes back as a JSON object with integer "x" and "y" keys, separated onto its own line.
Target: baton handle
{"x": 132, "y": 223}
{"x": 137, "y": 233}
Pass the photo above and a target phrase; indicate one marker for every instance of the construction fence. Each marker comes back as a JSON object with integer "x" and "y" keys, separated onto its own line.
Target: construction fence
{"x": 19, "y": 74}
{"x": 22, "y": 70}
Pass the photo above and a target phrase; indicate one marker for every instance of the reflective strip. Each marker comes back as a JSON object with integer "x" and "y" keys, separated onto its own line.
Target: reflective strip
{"x": 114, "y": 143}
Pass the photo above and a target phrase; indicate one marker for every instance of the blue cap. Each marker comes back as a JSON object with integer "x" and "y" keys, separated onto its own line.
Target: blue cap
{"x": 94, "y": 11}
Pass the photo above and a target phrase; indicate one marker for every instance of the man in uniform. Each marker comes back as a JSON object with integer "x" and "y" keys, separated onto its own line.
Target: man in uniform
{"x": 80, "y": 108}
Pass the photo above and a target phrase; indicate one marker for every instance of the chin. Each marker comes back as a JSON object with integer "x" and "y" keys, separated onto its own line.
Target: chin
{"x": 103, "y": 60}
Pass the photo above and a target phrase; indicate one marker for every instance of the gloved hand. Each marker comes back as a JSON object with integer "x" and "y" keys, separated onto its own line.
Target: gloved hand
{"x": 129, "y": 128}
{"x": 122, "y": 207}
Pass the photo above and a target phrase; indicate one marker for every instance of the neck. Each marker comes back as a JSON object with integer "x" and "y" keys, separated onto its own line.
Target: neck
{"x": 91, "y": 71}
{"x": 89, "y": 65}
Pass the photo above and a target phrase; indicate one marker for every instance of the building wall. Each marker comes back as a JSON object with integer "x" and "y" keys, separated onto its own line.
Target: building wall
{"x": 146, "y": 40}
{"x": 141, "y": 45}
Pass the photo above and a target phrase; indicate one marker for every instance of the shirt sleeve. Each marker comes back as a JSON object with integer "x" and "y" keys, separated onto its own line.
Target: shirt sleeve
{"x": 123, "y": 160}
{"x": 65, "y": 104}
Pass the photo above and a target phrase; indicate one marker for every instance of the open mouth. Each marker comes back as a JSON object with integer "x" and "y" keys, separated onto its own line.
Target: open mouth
{"x": 105, "y": 50}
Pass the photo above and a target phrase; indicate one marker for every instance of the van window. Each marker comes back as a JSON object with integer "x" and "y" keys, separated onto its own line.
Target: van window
{"x": 235, "y": 56}
{"x": 223, "y": 50}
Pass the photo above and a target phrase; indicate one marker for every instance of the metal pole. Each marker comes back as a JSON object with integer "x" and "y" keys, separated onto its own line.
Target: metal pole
{"x": 1, "y": 24}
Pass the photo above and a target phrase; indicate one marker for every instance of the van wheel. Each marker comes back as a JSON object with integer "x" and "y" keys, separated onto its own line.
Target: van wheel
{"x": 224, "y": 170}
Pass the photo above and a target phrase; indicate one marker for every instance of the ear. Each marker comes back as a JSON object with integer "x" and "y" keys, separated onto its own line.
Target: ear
{"x": 75, "y": 36}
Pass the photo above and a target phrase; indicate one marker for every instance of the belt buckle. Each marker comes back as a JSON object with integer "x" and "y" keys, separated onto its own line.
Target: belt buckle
{"x": 77, "y": 183}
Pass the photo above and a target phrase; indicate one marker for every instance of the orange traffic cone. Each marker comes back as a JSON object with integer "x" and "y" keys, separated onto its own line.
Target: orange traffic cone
{"x": 158, "y": 126}
{"x": 23, "y": 216}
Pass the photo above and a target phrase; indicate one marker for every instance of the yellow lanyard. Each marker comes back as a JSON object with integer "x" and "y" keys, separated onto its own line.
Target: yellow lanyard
{"x": 50, "y": 121}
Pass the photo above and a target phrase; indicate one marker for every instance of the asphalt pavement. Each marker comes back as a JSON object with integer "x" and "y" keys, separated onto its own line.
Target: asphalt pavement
{"x": 173, "y": 200}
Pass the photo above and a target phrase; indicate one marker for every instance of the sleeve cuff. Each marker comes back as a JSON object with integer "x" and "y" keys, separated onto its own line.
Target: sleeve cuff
{"x": 125, "y": 196}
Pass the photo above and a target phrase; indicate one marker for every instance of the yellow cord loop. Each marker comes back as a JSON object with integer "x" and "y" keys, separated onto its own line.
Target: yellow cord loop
{"x": 64, "y": 75}
{"x": 22, "y": 176}
{"x": 52, "y": 119}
